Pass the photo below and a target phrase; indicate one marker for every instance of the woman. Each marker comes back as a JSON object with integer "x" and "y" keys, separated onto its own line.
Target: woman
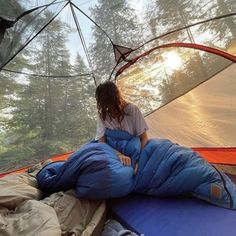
{"x": 114, "y": 112}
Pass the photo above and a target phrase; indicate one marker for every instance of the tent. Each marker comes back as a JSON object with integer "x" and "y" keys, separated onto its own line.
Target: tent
{"x": 54, "y": 53}
{"x": 174, "y": 59}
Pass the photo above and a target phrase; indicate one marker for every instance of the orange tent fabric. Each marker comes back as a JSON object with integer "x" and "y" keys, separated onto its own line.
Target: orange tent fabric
{"x": 226, "y": 156}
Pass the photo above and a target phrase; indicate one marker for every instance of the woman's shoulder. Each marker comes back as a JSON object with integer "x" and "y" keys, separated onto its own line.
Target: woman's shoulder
{"x": 130, "y": 107}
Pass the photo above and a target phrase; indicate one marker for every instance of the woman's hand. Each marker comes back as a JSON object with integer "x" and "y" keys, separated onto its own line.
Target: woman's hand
{"x": 124, "y": 159}
{"x": 127, "y": 161}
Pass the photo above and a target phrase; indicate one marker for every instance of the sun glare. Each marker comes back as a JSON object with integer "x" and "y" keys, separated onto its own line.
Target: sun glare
{"x": 172, "y": 61}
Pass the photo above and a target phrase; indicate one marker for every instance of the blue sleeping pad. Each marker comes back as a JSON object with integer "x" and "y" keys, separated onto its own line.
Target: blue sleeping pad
{"x": 175, "y": 216}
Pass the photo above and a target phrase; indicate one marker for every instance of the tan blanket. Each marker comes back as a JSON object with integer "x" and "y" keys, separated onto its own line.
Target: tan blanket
{"x": 24, "y": 212}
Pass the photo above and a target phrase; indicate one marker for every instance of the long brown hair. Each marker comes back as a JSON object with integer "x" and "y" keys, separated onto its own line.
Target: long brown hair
{"x": 110, "y": 101}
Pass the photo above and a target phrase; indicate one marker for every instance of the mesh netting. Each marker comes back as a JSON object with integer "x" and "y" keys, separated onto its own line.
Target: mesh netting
{"x": 54, "y": 53}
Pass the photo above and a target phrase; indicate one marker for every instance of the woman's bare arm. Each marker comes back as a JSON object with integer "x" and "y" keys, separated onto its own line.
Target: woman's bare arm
{"x": 102, "y": 139}
{"x": 143, "y": 139}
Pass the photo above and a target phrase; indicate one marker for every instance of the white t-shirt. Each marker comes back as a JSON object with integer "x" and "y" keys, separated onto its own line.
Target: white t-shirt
{"x": 133, "y": 122}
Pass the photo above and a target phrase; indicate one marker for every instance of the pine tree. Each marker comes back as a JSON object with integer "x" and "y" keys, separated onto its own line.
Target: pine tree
{"x": 38, "y": 109}
{"x": 120, "y": 22}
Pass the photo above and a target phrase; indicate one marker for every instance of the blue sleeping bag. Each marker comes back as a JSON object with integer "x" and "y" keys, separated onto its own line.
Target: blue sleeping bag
{"x": 167, "y": 169}
{"x": 164, "y": 169}
{"x": 94, "y": 171}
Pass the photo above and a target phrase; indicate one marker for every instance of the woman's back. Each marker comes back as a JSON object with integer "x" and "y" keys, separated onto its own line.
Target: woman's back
{"x": 133, "y": 122}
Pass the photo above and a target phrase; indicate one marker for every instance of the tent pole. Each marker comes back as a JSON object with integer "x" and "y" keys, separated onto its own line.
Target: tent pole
{"x": 35, "y": 34}
{"x": 83, "y": 42}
